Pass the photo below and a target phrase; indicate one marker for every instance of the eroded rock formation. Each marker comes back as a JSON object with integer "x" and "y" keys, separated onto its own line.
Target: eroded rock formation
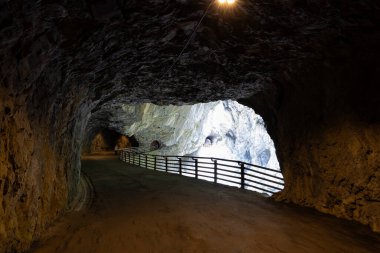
{"x": 328, "y": 134}
{"x": 310, "y": 67}
{"x": 223, "y": 129}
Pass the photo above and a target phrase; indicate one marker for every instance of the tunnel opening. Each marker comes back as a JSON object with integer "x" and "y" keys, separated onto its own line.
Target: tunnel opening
{"x": 104, "y": 140}
{"x": 133, "y": 141}
{"x": 155, "y": 145}
{"x": 222, "y": 129}
{"x": 109, "y": 140}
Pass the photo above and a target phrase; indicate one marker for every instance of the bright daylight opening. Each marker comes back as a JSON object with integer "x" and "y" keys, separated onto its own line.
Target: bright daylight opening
{"x": 223, "y": 129}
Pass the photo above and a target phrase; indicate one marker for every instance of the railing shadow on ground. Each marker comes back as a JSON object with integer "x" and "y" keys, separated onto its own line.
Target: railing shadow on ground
{"x": 222, "y": 171}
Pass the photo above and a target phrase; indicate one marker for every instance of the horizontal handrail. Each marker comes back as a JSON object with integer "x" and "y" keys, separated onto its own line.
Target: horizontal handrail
{"x": 203, "y": 157}
{"x": 219, "y": 170}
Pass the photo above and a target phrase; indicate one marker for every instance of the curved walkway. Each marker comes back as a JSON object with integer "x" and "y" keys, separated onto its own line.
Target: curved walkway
{"x": 137, "y": 210}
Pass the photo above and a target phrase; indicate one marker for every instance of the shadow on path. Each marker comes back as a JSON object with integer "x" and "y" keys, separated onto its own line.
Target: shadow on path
{"x": 139, "y": 210}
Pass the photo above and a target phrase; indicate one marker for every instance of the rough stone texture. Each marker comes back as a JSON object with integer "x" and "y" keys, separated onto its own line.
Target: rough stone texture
{"x": 223, "y": 129}
{"x": 311, "y": 68}
{"x": 123, "y": 142}
{"x": 329, "y": 135}
{"x": 104, "y": 141}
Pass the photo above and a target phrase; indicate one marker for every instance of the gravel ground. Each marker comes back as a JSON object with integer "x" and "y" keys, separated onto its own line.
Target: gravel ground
{"x": 138, "y": 210}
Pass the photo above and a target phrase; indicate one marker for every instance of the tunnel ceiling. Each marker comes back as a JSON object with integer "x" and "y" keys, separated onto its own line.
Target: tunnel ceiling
{"x": 119, "y": 49}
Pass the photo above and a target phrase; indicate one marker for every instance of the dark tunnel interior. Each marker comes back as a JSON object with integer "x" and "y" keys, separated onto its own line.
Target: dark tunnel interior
{"x": 309, "y": 68}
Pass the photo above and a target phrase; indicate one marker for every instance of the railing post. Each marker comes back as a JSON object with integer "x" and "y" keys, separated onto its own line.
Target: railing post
{"x": 146, "y": 161}
{"x": 166, "y": 164}
{"x": 215, "y": 170}
{"x": 180, "y": 165}
{"x": 129, "y": 157}
{"x": 155, "y": 163}
{"x": 139, "y": 159}
{"x": 242, "y": 176}
{"x": 196, "y": 167}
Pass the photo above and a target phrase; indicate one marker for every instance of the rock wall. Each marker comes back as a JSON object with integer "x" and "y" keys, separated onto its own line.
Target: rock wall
{"x": 223, "y": 129}
{"x": 327, "y": 130}
{"x": 99, "y": 144}
{"x": 42, "y": 119}
{"x": 38, "y": 168}
{"x": 124, "y": 142}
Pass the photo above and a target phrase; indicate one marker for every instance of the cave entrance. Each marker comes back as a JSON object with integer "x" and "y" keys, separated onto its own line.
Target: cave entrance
{"x": 155, "y": 145}
{"x": 107, "y": 140}
{"x": 133, "y": 141}
{"x": 222, "y": 129}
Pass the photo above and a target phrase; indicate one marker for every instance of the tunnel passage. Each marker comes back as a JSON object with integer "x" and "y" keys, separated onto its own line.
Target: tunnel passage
{"x": 309, "y": 68}
{"x": 221, "y": 129}
{"x": 133, "y": 141}
{"x": 107, "y": 140}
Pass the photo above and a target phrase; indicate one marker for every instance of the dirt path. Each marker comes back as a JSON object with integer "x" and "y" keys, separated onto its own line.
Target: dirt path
{"x": 137, "y": 210}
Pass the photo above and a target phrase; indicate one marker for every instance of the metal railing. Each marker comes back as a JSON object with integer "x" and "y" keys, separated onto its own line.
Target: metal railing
{"x": 222, "y": 171}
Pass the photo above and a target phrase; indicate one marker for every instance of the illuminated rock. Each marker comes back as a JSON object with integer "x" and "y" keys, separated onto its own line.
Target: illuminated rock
{"x": 223, "y": 129}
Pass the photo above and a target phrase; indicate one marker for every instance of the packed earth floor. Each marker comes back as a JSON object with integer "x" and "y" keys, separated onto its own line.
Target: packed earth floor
{"x": 138, "y": 210}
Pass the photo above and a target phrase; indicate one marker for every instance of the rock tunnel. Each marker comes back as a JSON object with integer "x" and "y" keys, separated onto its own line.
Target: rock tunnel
{"x": 310, "y": 68}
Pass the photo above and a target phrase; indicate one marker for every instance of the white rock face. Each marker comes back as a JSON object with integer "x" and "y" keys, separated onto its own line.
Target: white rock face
{"x": 223, "y": 129}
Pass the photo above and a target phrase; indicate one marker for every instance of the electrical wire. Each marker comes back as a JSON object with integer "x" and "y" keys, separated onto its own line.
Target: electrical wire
{"x": 185, "y": 46}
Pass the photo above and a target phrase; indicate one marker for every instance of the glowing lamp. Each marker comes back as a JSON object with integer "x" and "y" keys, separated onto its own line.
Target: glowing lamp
{"x": 226, "y": 2}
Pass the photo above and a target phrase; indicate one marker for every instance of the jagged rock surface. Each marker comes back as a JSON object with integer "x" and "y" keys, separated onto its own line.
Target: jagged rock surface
{"x": 311, "y": 68}
{"x": 223, "y": 129}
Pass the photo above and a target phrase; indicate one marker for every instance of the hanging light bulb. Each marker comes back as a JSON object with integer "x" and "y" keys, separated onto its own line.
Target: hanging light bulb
{"x": 226, "y": 2}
